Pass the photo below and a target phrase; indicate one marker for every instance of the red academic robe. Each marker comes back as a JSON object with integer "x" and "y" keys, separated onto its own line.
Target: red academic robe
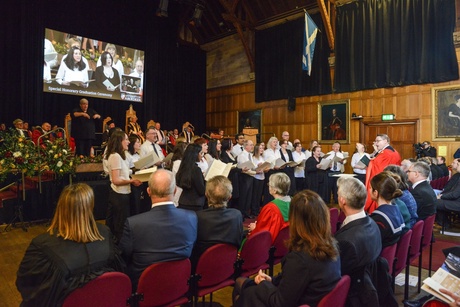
{"x": 271, "y": 218}
{"x": 388, "y": 156}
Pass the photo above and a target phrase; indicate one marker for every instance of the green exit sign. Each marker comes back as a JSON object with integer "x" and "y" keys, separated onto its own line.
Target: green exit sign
{"x": 388, "y": 117}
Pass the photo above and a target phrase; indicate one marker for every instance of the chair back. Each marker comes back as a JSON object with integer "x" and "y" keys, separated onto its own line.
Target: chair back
{"x": 165, "y": 283}
{"x": 416, "y": 240}
{"x": 334, "y": 217}
{"x": 216, "y": 265}
{"x": 111, "y": 289}
{"x": 389, "y": 254}
{"x": 427, "y": 233}
{"x": 402, "y": 251}
{"x": 280, "y": 243}
{"x": 255, "y": 252}
{"x": 338, "y": 296}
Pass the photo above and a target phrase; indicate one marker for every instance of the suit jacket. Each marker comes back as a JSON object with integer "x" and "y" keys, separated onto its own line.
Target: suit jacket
{"x": 359, "y": 244}
{"x": 217, "y": 225}
{"x": 425, "y": 197}
{"x": 450, "y": 196}
{"x": 164, "y": 233}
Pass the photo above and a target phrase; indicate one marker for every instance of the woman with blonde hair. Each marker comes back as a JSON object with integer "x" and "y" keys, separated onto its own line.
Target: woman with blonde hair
{"x": 310, "y": 270}
{"x": 74, "y": 251}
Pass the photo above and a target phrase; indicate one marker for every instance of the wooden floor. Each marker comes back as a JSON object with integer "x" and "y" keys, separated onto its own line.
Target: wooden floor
{"x": 14, "y": 243}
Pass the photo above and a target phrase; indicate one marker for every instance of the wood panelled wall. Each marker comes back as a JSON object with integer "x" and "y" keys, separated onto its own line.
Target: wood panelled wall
{"x": 407, "y": 103}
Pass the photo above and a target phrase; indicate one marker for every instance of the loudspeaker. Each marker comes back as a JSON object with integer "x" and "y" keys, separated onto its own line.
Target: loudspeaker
{"x": 291, "y": 103}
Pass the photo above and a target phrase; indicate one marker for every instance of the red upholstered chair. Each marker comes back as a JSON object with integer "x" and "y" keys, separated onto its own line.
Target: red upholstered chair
{"x": 164, "y": 284}
{"x": 254, "y": 254}
{"x": 415, "y": 247}
{"x": 338, "y": 296}
{"x": 279, "y": 249}
{"x": 389, "y": 254}
{"x": 427, "y": 241}
{"x": 112, "y": 289}
{"x": 334, "y": 215}
{"x": 214, "y": 270}
{"x": 402, "y": 251}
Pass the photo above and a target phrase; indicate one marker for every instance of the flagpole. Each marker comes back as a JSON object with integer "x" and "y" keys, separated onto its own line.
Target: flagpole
{"x": 305, "y": 11}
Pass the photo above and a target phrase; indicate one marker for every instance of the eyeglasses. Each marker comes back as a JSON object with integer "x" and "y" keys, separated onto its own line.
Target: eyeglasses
{"x": 376, "y": 141}
{"x": 409, "y": 171}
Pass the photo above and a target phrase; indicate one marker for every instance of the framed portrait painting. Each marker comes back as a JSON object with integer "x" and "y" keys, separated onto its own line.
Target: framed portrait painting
{"x": 446, "y": 112}
{"x": 334, "y": 121}
{"x": 250, "y": 121}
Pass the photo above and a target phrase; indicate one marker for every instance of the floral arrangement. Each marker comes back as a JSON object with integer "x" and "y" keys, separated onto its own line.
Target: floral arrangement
{"x": 17, "y": 154}
{"x": 57, "y": 157}
{"x": 127, "y": 62}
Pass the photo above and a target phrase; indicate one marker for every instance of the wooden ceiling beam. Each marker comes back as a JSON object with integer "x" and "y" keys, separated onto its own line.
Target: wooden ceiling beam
{"x": 238, "y": 24}
{"x": 325, "y": 14}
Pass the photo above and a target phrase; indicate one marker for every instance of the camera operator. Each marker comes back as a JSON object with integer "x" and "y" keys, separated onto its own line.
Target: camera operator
{"x": 427, "y": 150}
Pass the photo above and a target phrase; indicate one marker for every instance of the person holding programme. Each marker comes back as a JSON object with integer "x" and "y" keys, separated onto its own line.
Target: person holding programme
{"x": 359, "y": 170}
{"x": 190, "y": 178}
{"x": 106, "y": 76}
{"x": 310, "y": 270}
{"x": 384, "y": 155}
{"x": 83, "y": 127}
{"x": 73, "y": 69}
{"x": 274, "y": 216}
{"x": 299, "y": 171}
{"x": 120, "y": 182}
{"x": 117, "y": 64}
{"x": 74, "y": 250}
{"x": 384, "y": 188}
{"x": 316, "y": 176}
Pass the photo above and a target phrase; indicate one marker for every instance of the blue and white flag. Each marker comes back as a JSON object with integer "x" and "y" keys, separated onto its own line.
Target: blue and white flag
{"x": 309, "y": 41}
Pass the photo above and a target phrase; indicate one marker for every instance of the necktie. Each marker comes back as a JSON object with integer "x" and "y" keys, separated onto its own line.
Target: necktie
{"x": 155, "y": 149}
{"x": 249, "y": 155}
{"x": 334, "y": 167}
{"x": 241, "y": 147}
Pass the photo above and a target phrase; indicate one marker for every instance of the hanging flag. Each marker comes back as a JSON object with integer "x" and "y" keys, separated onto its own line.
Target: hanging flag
{"x": 309, "y": 40}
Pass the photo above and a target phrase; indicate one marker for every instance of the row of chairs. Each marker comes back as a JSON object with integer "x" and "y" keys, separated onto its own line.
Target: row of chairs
{"x": 410, "y": 247}
{"x": 439, "y": 183}
{"x": 171, "y": 283}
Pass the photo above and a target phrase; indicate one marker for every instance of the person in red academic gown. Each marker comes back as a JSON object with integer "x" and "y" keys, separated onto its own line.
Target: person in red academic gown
{"x": 385, "y": 156}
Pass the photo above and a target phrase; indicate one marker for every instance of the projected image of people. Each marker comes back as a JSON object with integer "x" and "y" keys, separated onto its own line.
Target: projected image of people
{"x": 73, "y": 70}
{"x": 106, "y": 76}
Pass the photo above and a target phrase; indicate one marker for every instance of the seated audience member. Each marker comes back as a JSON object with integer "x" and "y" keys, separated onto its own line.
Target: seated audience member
{"x": 406, "y": 198}
{"x": 359, "y": 237}
{"x": 384, "y": 188}
{"x": 74, "y": 250}
{"x": 436, "y": 167}
{"x": 423, "y": 193}
{"x": 433, "y": 171}
{"x": 217, "y": 224}
{"x": 405, "y": 164}
{"x": 443, "y": 166}
{"x": 274, "y": 216}
{"x": 42, "y": 130}
{"x": 164, "y": 233}
{"x": 449, "y": 199}
{"x": 310, "y": 270}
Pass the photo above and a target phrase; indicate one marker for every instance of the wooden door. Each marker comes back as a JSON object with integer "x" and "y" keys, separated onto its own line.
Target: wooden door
{"x": 403, "y": 135}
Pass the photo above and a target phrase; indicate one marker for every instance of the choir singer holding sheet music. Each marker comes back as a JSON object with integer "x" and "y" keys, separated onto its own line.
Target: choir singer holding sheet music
{"x": 358, "y": 168}
{"x": 106, "y": 76}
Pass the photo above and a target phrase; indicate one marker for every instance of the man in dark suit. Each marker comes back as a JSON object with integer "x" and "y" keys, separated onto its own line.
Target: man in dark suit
{"x": 423, "y": 193}
{"x": 164, "y": 233}
{"x": 359, "y": 237}
{"x": 443, "y": 166}
{"x": 217, "y": 224}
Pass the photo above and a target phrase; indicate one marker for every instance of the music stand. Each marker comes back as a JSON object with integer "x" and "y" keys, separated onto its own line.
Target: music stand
{"x": 17, "y": 207}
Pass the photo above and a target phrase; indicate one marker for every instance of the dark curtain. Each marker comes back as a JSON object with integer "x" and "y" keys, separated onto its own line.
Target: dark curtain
{"x": 388, "y": 43}
{"x": 175, "y": 75}
{"x": 278, "y": 62}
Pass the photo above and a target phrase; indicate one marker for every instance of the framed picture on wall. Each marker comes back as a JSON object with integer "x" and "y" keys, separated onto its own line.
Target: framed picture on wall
{"x": 446, "y": 112}
{"x": 334, "y": 121}
{"x": 249, "y": 122}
